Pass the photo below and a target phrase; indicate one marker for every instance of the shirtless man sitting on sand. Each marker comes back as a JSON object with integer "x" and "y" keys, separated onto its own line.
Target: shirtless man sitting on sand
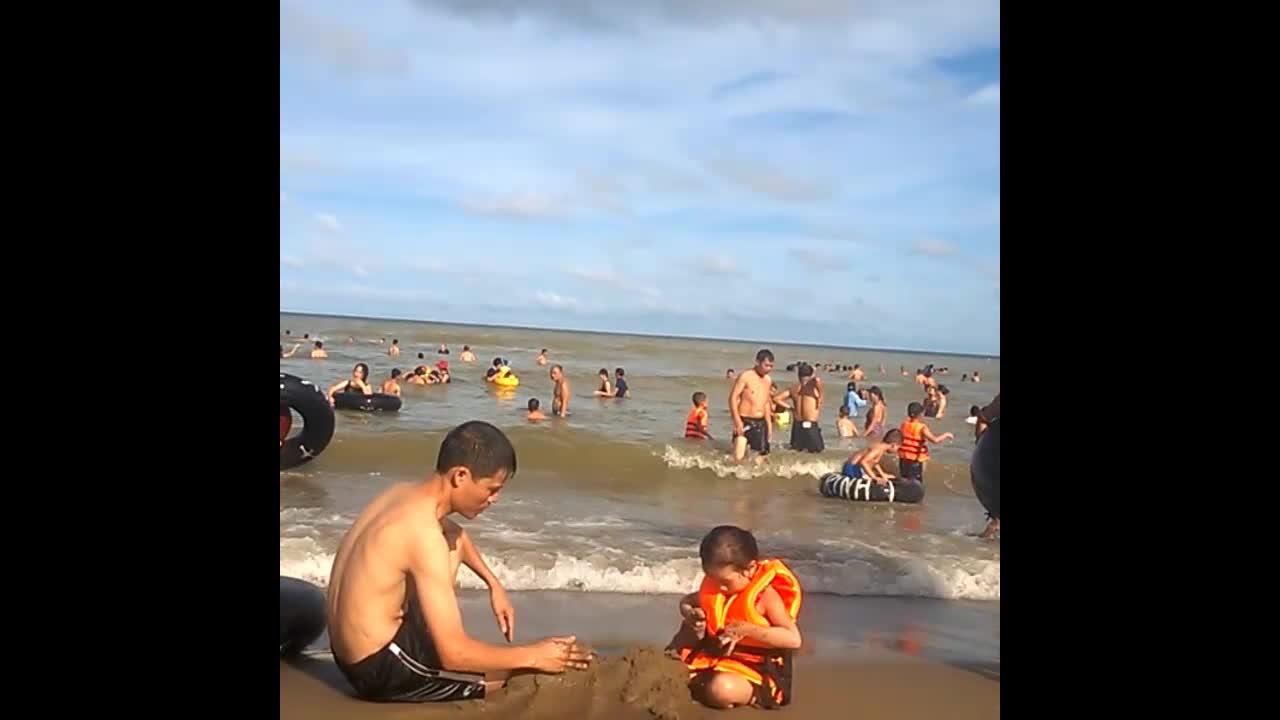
{"x": 394, "y": 622}
{"x": 749, "y": 402}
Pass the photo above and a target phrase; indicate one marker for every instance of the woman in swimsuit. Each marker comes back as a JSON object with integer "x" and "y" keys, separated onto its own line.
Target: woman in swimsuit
{"x": 358, "y": 382}
{"x": 934, "y": 403}
{"x": 875, "y": 416}
{"x": 605, "y": 389}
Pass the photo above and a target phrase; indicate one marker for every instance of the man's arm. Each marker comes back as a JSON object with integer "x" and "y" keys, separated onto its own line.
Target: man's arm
{"x": 735, "y": 395}
{"x": 564, "y": 397}
{"x": 429, "y": 567}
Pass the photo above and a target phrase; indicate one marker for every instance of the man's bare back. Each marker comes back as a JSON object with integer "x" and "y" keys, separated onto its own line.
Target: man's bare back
{"x": 394, "y": 622}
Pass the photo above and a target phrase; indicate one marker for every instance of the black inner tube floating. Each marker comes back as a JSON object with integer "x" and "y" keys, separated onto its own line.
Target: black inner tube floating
{"x": 308, "y": 401}
{"x": 302, "y": 615}
{"x": 984, "y": 469}
{"x": 368, "y": 403}
{"x": 836, "y": 485}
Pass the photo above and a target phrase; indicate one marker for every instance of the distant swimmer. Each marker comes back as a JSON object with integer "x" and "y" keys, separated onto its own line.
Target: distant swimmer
{"x": 729, "y": 374}
{"x": 542, "y": 357}
{"x": 845, "y": 427}
{"x": 394, "y": 350}
{"x": 535, "y": 412}
{"x": 919, "y": 376}
{"x": 881, "y": 368}
{"x": 318, "y": 352}
{"x": 351, "y": 341}
{"x": 467, "y": 355}
{"x": 902, "y": 369}
{"x": 393, "y": 617}
{"x": 442, "y": 371}
{"x": 865, "y": 463}
{"x": 492, "y": 373}
{"x": 422, "y": 356}
{"x": 875, "y": 416}
{"x": 749, "y": 400}
{"x": 914, "y": 451}
{"x": 286, "y": 332}
{"x": 419, "y": 376}
{"x": 443, "y": 349}
{"x": 806, "y": 432}
{"x": 857, "y": 375}
{"x": 291, "y": 351}
{"x": 975, "y": 377}
{"x": 854, "y": 399}
{"x": 964, "y": 378}
{"x": 935, "y": 403}
{"x": 697, "y": 425}
{"x": 620, "y": 388}
{"x": 560, "y": 396}
{"x": 391, "y": 386}
{"x": 306, "y": 336}
{"x": 357, "y": 383}
{"x": 606, "y": 388}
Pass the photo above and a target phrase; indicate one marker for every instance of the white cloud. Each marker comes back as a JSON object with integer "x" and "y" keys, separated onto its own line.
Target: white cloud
{"x": 360, "y": 271}
{"x": 526, "y": 206}
{"x": 343, "y": 48}
{"x": 328, "y": 222}
{"x": 818, "y": 260}
{"x": 718, "y": 265}
{"x": 764, "y": 179}
{"x": 290, "y": 261}
{"x": 989, "y": 95}
{"x": 556, "y": 300}
{"x": 933, "y": 247}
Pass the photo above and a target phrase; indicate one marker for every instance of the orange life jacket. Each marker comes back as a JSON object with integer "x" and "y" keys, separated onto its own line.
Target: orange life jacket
{"x": 913, "y": 447}
{"x": 768, "y": 668}
{"x": 694, "y": 423}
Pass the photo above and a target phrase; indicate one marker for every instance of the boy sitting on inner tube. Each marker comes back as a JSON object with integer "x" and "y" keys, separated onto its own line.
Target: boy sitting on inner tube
{"x": 865, "y": 463}
{"x": 739, "y": 629}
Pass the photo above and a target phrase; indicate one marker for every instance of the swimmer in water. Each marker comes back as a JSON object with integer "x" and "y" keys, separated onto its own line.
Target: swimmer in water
{"x": 391, "y": 386}
{"x": 606, "y": 388}
{"x": 418, "y": 376}
{"x": 620, "y": 388}
{"x": 357, "y": 383}
{"x": 443, "y": 349}
{"x": 442, "y": 371}
{"x": 289, "y": 354}
{"x": 467, "y": 355}
{"x": 697, "y": 425}
{"x": 560, "y": 396}
{"x": 865, "y": 463}
{"x": 318, "y": 352}
{"x": 807, "y": 394}
{"x": 935, "y": 403}
{"x": 351, "y": 341}
{"x": 728, "y": 374}
{"x": 902, "y": 369}
{"x": 535, "y": 414}
{"x": 845, "y": 427}
{"x": 857, "y": 375}
{"x": 975, "y": 377}
{"x": 394, "y": 350}
{"x": 749, "y": 400}
{"x": 875, "y": 416}
{"x": 542, "y": 357}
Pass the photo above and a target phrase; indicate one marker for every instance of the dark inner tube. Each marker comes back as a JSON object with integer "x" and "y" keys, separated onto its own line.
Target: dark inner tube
{"x": 317, "y": 418}
{"x": 984, "y": 469}
{"x": 367, "y": 403}
{"x": 302, "y": 615}
{"x": 836, "y": 485}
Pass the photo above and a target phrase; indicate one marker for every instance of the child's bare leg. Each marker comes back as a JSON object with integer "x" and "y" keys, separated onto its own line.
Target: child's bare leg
{"x": 723, "y": 690}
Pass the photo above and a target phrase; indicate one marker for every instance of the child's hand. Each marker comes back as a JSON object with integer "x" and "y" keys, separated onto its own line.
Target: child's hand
{"x": 695, "y": 618}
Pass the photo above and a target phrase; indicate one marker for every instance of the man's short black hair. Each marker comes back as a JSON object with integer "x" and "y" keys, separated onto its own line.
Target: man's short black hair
{"x": 479, "y": 447}
{"x": 893, "y": 436}
{"x": 619, "y": 372}
{"x": 728, "y": 545}
{"x": 763, "y": 355}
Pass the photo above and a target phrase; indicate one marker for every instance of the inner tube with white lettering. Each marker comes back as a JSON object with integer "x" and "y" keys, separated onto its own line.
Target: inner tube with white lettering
{"x": 835, "y": 485}
{"x": 367, "y": 403}
{"x": 309, "y": 401}
{"x": 302, "y": 615}
{"x": 984, "y": 469}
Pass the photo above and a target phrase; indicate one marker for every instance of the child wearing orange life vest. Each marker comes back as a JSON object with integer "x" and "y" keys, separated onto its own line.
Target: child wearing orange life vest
{"x": 914, "y": 452}
{"x": 696, "y": 425}
{"x": 739, "y": 629}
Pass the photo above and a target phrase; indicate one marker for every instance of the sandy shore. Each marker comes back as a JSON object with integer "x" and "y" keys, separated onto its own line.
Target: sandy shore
{"x": 868, "y": 657}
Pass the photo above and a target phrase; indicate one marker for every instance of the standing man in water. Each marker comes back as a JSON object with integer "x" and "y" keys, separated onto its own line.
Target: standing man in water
{"x": 806, "y": 432}
{"x": 559, "y": 396}
{"x": 749, "y": 405}
{"x": 394, "y": 623}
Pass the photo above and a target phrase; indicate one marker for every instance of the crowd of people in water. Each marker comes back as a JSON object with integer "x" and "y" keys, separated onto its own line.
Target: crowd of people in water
{"x": 403, "y": 641}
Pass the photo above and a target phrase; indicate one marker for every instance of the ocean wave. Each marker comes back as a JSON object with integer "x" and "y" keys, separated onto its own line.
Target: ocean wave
{"x": 943, "y": 577}
{"x": 722, "y": 465}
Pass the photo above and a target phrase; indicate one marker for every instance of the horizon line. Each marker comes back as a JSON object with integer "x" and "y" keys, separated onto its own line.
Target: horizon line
{"x": 644, "y": 335}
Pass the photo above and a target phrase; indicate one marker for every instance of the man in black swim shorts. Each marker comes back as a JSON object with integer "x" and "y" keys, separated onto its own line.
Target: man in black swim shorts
{"x": 393, "y": 617}
{"x": 806, "y": 433}
{"x": 749, "y": 404}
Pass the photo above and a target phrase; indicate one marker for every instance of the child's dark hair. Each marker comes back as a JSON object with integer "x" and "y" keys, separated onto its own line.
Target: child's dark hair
{"x": 728, "y": 545}
{"x": 604, "y": 371}
{"x": 915, "y": 410}
{"x": 699, "y": 397}
{"x": 395, "y": 373}
{"x": 619, "y": 372}
{"x": 844, "y": 411}
{"x": 534, "y": 404}
{"x": 319, "y": 344}
{"x": 974, "y": 411}
{"x": 478, "y": 446}
{"x": 852, "y": 387}
{"x": 763, "y": 355}
{"x": 894, "y": 436}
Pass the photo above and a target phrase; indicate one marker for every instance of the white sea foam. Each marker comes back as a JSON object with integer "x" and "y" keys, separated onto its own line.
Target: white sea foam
{"x": 724, "y": 466}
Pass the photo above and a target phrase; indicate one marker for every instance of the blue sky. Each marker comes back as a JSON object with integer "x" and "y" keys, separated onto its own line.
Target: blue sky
{"x": 810, "y": 171}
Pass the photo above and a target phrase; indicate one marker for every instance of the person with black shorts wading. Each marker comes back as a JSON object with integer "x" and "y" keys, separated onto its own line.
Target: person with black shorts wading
{"x": 806, "y": 433}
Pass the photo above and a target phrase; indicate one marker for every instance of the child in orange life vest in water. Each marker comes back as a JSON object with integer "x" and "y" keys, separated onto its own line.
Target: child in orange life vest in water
{"x": 914, "y": 452}
{"x": 696, "y": 424}
{"x": 739, "y": 629}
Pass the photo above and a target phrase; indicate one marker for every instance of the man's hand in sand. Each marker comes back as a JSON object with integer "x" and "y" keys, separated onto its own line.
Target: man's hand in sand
{"x": 557, "y": 654}
{"x": 504, "y": 611}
